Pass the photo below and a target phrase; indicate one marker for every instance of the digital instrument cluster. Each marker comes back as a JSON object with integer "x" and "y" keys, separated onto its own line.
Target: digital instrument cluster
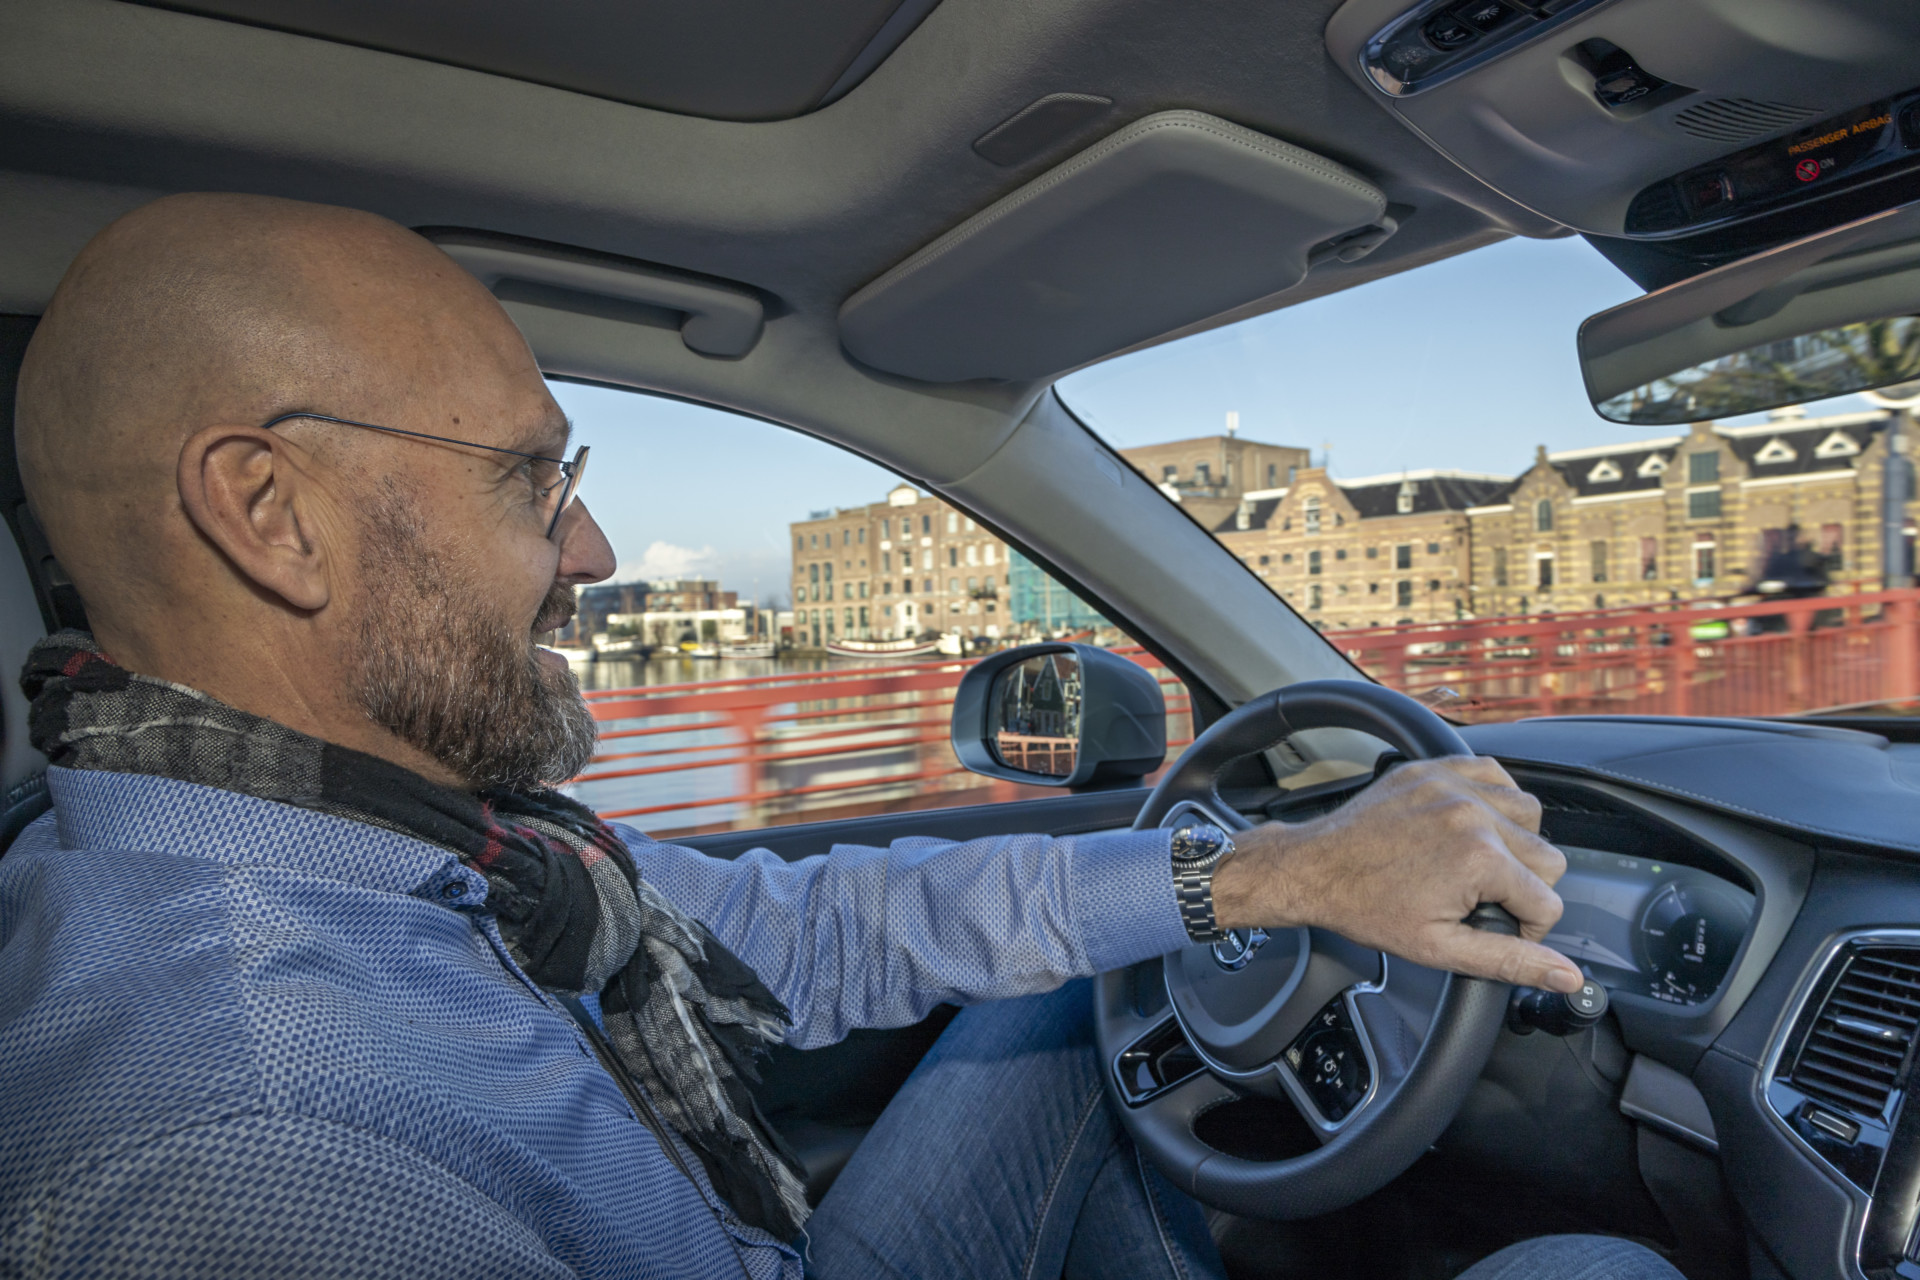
{"x": 1648, "y": 927}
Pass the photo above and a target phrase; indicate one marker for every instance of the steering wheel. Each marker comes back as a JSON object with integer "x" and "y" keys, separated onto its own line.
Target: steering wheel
{"x": 1376, "y": 1056}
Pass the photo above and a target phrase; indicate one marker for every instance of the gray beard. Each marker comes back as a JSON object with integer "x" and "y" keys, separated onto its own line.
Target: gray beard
{"x": 465, "y": 689}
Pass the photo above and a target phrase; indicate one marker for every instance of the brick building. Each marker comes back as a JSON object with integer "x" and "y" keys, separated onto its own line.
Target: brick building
{"x": 1684, "y": 516}
{"x": 1357, "y": 553}
{"x": 1209, "y": 475}
{"x": 895, "y": 569}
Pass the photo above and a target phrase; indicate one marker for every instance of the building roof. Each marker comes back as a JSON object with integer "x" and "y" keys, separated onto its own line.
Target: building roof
{"x": 1624, "y": 468}
{"x": 1380, "y": 496}
{"x": 1432, "y": 491}
{"x": 1801, "y": 447}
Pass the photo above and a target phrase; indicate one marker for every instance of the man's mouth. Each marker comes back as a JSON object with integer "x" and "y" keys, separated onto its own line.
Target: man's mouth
{"x": 558, "y": 612}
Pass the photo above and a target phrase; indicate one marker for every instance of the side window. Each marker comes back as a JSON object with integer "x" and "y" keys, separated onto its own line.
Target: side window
{"x": 735, "y": 687}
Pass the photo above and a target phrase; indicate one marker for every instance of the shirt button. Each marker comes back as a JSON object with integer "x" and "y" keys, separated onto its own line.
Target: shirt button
{"x": 454, "y": 889}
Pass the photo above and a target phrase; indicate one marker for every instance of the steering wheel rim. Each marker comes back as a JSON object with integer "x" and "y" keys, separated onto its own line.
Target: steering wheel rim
{"x": 1419, "y": 1076}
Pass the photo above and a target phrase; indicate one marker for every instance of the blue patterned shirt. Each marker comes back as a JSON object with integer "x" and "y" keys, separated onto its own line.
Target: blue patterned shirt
{"x": 240, "y": 1038}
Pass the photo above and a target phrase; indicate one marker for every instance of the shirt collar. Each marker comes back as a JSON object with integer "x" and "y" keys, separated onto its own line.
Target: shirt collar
{"x": 100, "y": 810}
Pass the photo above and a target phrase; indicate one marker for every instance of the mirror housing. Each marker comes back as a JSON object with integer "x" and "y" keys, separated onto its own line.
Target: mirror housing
{"x": 1828, "y": 314}
{"x": 1079, "y": 717}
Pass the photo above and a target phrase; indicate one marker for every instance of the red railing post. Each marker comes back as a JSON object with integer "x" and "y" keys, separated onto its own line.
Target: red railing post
{"x": 1902, "y": 678}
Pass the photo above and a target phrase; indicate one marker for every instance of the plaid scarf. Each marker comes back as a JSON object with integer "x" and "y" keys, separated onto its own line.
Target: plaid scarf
{"x": 686, "y": 1017}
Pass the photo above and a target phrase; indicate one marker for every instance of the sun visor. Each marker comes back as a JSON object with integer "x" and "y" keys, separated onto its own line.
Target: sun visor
{"x": 1175, "y": 218}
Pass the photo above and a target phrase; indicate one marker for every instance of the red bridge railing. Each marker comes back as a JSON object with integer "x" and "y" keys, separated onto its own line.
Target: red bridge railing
{"x": 811, "y": 745}
{"x": 797, "y": 746}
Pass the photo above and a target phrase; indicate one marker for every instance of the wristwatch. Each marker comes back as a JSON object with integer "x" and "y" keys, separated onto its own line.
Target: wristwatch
{"x": 1198, "y": 848}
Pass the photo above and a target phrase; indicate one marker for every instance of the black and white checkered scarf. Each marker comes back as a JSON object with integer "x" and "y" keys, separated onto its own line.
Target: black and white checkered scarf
{"x": 685, "y": 1016}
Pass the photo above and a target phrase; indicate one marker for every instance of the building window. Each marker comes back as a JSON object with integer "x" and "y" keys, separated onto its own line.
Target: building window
{"x": 886, "y": 588}
{"x": 953, "y": 557}
{"x": 813, "y": 572}
{"x": 1373, "y": 553}
{"x": 993, "y": 553}
{"x": 1286, "y": 557}
{"x": 1273, "y": 475}
{"x": 1310, "y": 515}
{"x": 1703, "y": 562}
{"x": 1499, "y": 566}
{"x": 1313, "y": 562}
{"x": 1373, "y": 588}
{"x": 813, "y": 541}
{"x": 1265, "y": 559}
{"x": 1433, "y": 548}
{"x": 926, "y": 558}
{"x": 953, "y": 522}
{"x": 1403, "y": 593}
{"x": 926, "y": 524}
{"x": 864, "y": 624}
{"x": 1833, "y": 547}
{"x": 799, "y": 543}
{"x": 862, "y": 538}
{"x": 1543, "y": 516}
{"x": 1203, "y": 474}
{"x": 863, "y": 591}
{"x": 1340, "y": 553}
{"x": 1403, "y": 556}
{"x": 973, "y": 553}
{"x": 1543, "y": 572}
{"x": 886, "y": 562}
{"x": 1403, "y": 502}
{"x": 1313, "y": 596}
{"x": 1704, "y": 505}
{"x": 1597, "y": 549}
{"x": 1649, "y": 559}
{"x": 1703, "y": 468}
{"x": 1169, "y": 475}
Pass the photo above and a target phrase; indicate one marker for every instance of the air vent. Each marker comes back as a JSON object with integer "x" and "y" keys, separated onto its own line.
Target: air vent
{"x": 1738, "y": 119}
{"x": 1858, "y": 1044}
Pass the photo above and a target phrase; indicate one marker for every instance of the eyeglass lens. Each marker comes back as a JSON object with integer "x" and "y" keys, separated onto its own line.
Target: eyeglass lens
{"x": 568, "y": 489}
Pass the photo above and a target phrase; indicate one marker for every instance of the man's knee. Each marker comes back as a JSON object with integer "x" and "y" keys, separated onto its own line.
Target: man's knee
{"x": 1573, "y": 1258}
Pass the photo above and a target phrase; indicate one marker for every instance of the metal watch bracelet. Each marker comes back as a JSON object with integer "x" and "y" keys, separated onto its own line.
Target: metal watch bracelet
{"x": 1197, "y": 849}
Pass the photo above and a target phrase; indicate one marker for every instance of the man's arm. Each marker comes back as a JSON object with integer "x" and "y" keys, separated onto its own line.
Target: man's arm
{"x": 867, "y": 937}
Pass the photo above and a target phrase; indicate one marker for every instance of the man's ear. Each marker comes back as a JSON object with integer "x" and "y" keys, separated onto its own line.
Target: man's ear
{"x": 244, "y": 490}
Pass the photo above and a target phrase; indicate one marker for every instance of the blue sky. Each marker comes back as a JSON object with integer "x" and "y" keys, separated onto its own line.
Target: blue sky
{"x": 1467, "y": 363}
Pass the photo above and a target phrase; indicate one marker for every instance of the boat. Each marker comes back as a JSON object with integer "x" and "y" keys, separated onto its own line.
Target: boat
{"x": 881, "y": 648}
{"x": 749, "y": 649}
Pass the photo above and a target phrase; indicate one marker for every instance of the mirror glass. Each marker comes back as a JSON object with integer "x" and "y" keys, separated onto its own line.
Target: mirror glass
{"x": 1809, "y": 366}
{"x": 1035, "y": 715}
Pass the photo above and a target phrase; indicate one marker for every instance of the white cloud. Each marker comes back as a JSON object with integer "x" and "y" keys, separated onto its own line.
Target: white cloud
{"x": 665, "y": 560}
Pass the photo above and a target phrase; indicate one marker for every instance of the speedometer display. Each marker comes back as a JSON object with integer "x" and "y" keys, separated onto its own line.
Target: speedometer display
{"x": 1651, "y": 928}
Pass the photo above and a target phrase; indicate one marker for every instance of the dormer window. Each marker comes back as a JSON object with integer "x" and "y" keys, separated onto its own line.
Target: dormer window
{"x": 1655, "y": 465}
{"x": 1605, "y": 471}
{"x": 1310, "y": 515}
{"x": 1404, "y": 503}
{"x": 1777, "y": 451}
{"x": 1837, "y": 445}
{"x": 1543, "y": 516}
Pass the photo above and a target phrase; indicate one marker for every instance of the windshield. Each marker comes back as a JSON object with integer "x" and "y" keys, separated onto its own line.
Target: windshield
{"x": 1413, "y": 465}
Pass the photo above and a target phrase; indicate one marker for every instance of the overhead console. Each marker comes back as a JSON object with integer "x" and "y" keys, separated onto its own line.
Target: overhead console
{"x": 1651, "y": 119}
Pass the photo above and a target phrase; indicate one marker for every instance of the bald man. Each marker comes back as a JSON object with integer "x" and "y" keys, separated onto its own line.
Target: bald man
{"x": 311, "y": 971}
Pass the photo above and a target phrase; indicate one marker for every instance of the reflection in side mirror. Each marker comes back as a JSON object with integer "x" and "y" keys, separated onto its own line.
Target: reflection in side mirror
{"x": 1036, "y": 715}
{"x": 1812, "y": 366}
{"x": 1056, "y": 714}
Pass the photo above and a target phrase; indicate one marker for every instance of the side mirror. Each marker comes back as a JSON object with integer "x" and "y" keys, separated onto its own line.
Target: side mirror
{"x": 1832, "y": 313}
{"x": 1060, "y": 715}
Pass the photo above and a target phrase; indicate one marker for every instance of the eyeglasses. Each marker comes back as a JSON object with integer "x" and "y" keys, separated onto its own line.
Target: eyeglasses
{"x": 565, "y": 480}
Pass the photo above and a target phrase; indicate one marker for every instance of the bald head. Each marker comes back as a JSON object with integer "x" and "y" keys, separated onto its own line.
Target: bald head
{"x": 203, "y": 309}
{"x": 369, "y": 587}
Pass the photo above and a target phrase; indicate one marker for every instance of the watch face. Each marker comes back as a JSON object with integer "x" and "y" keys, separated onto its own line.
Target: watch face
{"x": 1197, "y": 843}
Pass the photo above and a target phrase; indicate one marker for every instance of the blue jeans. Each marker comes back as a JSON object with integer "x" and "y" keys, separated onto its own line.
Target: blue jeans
{"x": 1001, "y": 1159}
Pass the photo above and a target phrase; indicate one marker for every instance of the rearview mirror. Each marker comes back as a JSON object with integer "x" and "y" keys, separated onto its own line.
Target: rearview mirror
{"x": 1828, "y": 315}
{"x": 1060, "y": 715}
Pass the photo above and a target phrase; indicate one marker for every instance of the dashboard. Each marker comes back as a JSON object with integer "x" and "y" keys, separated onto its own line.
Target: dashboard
{"x": 1650, "y": 927}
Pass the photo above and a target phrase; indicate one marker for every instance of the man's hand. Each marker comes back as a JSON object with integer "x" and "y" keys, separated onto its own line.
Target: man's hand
{"x": 1401, "y": 864}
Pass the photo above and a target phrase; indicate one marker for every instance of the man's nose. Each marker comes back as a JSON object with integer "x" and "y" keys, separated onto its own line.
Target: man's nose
{"x": 585, "y": 554}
